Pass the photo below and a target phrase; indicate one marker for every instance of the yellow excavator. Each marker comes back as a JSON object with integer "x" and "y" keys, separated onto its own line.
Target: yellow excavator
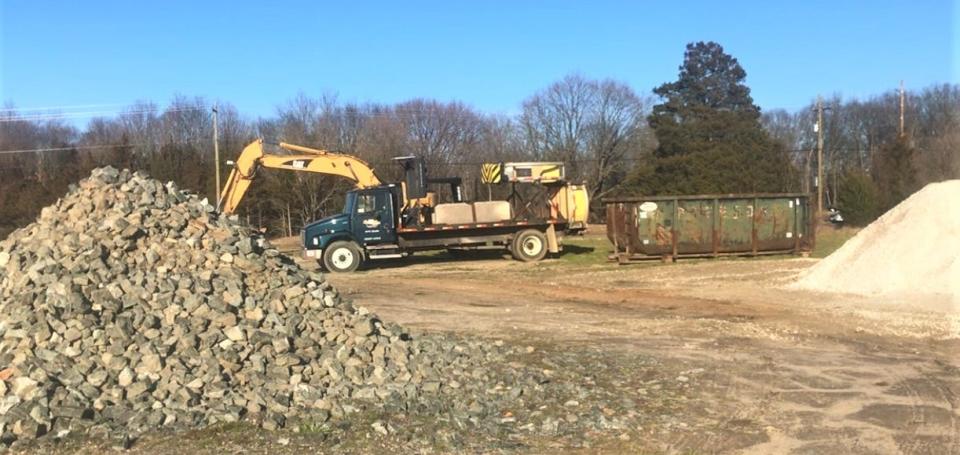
{"x": 317, "y": 161}
{"x": 253, "y": 157}
{"x": 387, "y": 220}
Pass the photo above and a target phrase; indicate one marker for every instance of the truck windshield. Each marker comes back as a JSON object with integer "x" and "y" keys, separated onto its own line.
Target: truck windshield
{"x": 351, "y": 202}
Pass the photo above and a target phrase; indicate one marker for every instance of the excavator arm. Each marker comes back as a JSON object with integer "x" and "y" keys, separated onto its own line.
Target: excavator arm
{"x": 307, "y": 160}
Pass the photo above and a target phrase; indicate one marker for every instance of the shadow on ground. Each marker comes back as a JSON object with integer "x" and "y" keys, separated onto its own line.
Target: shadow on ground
{"x": 454, "y": 256}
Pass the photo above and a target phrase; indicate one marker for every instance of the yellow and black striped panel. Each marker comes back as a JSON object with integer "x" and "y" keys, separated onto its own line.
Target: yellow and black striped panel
{"x": 491, "y": 172}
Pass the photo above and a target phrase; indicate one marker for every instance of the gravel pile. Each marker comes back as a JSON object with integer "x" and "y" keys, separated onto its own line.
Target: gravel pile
{"x": 132, "y": 305}
{"x": 911, "y": 252}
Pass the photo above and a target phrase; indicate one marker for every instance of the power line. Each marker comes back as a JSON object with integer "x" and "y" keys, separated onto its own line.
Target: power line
{"x": 59, "y": 108}
{"x": 58, "y": 149}
{"x": 389, "y": 112}
{"x": 88, "y": 114}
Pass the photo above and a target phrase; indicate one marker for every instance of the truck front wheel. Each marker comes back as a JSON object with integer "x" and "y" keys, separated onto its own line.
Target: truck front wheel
{"x": 342, "y": 256}
{"x": 529, "y": 246}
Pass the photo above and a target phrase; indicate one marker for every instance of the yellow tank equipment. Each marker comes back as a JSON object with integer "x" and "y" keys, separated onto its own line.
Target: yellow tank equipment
{"x": 572, "y": 203}
{"x": 522, "y": 172}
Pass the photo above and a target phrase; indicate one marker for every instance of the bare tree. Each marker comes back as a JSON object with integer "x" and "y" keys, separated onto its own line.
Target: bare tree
{"x": 555, "y": 119}
{"x": 617, "y": 119}
{"x": 593, "y": 126}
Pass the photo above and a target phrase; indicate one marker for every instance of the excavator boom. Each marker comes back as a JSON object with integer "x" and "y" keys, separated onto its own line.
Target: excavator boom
{"x": 308, "y": 160}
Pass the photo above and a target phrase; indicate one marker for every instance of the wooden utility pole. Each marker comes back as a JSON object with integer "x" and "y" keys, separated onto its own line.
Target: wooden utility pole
{"x": 819, "y": 158}
{"x": 901, "y": 107}
{"x": 216, "y": 156}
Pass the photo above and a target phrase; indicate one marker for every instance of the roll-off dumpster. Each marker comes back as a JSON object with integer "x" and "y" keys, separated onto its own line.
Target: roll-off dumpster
{"x": 670, "y": 227}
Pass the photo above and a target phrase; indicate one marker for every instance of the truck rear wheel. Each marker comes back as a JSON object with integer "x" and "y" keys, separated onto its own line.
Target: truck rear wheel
{"x": 342, "y": 256}
{"x": 529, "y": 246}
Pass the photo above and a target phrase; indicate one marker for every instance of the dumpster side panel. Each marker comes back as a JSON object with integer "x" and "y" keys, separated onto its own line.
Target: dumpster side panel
{"x": 655, "y": 223}
{"x": 695, "y": 226}
{"x": 709, "y": 225}
{"x": 776, "y": 224}
{"x": 736, "y": 225}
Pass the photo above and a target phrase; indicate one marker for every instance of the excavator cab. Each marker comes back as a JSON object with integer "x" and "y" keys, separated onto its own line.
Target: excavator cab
{"x": 420, "y": 199}
{"x": 416, "y": 180}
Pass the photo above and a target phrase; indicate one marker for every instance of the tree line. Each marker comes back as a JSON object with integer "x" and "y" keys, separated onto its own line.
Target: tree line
{"x": 699, "y": 134}
{"x": 870, "y": 165}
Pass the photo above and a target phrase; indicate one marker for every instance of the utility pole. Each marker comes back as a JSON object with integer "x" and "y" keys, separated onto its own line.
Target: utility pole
{"x": 819, "y": 158}
{"x": 216, "y": 155}
{"x": 901, "y": 107}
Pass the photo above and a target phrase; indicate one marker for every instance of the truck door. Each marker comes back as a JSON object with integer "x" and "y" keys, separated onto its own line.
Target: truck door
{"x": 373, "y": 217}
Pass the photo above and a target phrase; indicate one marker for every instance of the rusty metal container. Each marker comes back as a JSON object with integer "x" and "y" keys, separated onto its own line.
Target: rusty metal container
{"x": 670, "y": 227}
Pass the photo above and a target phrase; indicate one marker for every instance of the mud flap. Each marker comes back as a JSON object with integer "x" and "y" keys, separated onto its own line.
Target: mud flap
{"x": 553, "y": 245}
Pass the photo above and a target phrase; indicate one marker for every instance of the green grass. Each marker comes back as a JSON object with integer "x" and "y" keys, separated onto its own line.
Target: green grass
{"x": 312, "y": 426}
{"x": 586, "y": 250}
{"x": 829, "y": 239}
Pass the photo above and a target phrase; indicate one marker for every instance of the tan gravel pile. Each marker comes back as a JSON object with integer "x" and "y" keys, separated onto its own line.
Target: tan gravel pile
{"x": 912, "y": 251}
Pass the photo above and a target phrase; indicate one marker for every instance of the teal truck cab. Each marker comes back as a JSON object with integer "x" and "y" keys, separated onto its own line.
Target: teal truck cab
{"x": 366, "y": 226}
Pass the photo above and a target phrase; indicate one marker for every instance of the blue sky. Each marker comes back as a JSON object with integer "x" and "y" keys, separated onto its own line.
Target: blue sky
{"x": 488, "y": 54}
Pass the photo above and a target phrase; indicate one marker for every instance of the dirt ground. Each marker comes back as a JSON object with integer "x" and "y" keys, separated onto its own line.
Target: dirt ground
{"x": 765, "y": 369}
{"x": 700, "y": 356}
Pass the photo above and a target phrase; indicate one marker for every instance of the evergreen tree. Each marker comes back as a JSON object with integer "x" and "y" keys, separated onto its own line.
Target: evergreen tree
{"x": 858, "y": 200}
{"x": 709, "y": 133}
{"x": 895, "y": 172}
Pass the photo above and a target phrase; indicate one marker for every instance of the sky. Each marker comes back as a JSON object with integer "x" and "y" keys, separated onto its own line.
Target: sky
{"x": 488, "y": 54}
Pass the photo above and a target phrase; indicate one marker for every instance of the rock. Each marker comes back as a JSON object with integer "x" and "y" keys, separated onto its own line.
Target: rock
{"x": 233, "y": 298}
{"x": 255, "y": 314}
{"x": 131, "y": 232}
{"x": 151, "y": 363}
{"x": 125, "y": 378}
{"x": 4, "y": 258}
{"x": 136, "y": 389}
{"x": 380, "y": 427}
{"x": 97, "y": 378}
{"x": 234, "y": 333}
{"x": 281, "y": 345}
{"x": 294, "y": 292}
{"x": 24, "y": 388}
{"x": 364, "y": 328}
{"x": 246, "y": 245}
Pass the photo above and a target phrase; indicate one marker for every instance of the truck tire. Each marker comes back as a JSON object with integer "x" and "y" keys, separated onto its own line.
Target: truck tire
{"x": 342, "y": 256}
{"x": 529, "y": 246}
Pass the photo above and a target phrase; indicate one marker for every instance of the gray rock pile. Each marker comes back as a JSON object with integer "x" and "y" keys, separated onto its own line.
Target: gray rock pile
{"x": 131, "y": 304}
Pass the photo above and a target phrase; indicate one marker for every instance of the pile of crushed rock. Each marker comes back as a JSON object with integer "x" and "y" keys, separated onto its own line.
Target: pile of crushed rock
{"x": 913, "y": 250}
{"x": 131, "y": 304}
